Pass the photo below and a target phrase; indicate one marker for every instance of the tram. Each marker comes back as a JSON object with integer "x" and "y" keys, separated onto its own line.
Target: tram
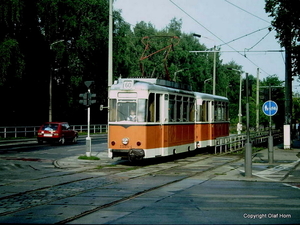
{"x": 150, "y": 117}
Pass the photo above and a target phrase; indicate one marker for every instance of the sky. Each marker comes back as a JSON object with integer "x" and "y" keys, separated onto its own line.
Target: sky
{"x": 243, "y": 23}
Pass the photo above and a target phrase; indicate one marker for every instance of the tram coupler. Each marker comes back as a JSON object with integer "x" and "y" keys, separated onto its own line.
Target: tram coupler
{"x": 136, "y": 154}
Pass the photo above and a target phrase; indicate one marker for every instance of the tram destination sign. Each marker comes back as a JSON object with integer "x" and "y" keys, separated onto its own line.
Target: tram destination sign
{"x": 270, "y": 108}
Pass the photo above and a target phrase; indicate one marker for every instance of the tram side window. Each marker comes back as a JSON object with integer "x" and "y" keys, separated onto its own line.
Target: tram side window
{"x": 216, "y": 111}
{"x": 226, "y": 112}
{"x": 157, "y": 108}
{"x": 112, "y": 110}
{"x": 204, "y": 111}
{"x": 141, "y": 110}
{"x": 151, "y": 108}
{"x": 185, "y": 108}
{"x": 178, "y": 108}
{"x": 154, "y": 107}
{"x": 172, "y": 108}
{"x": 221, "y": 111}
{"x": 192, "y": 110}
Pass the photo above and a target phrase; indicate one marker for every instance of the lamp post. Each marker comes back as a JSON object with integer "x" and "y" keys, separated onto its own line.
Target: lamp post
{"x": 50, "y": 83}
{"x": 175, "y": 74}
{"x": 248, "y": 145}
{"x": 239, "y": 125}
{"x": 215, "y": 62}
{"x": 205, "y": 84}
{"x": 110, "y": 44}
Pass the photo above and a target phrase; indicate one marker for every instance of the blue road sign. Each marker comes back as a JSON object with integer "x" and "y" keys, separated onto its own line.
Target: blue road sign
{"x": 270, "y": 108}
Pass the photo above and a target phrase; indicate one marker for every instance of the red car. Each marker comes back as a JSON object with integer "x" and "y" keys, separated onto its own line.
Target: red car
{"x": 58, "y": 132}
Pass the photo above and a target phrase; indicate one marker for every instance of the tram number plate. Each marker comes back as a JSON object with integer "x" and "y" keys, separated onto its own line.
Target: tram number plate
{"x": 128, "y": 84}
{"x": 125, "y": 146}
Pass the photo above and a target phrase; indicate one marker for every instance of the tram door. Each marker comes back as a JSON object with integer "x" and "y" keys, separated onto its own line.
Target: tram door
{"x": 160, "y": 118}
{"x": 155, "y": 116}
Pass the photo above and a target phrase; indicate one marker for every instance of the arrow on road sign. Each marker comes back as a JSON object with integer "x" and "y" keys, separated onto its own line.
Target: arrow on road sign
{"x": 270, "y": 108}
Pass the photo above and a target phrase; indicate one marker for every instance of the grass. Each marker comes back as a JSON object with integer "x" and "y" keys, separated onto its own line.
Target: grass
{"x": 242, "y": 151}
{"x": 88, "y": 157}
{"x": 219, "y": 174}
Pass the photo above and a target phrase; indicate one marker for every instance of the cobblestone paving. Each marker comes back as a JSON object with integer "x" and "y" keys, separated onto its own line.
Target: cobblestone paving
{"x": 75, "y": 185}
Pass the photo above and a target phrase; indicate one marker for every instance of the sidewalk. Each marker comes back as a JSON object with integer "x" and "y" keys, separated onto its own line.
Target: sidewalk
{"x": 285, "y": 166}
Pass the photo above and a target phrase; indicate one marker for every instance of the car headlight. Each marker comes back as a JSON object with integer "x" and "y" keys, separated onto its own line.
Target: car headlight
{"x": 125, "y": 141}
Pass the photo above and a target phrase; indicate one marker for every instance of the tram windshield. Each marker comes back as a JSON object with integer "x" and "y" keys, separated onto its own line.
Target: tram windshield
{"x": 127, "y": 110}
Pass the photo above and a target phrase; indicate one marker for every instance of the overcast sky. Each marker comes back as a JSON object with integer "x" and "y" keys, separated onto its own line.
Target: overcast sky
{"x": 218, "y": 22}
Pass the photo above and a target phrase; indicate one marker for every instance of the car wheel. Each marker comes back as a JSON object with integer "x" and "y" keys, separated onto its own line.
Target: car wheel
{"x": 62, "y": 140}
{"x": 75, "y": 140}
{"x": 40, "y": 141}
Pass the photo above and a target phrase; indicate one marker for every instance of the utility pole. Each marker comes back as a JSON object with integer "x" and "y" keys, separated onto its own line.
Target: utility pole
{"x": 288, "y": 95}
{"x": 110, "y": 44}
{"x": 257, "y": 101}
{"x": 239, "y": 125}
{"x": 215, "y": 63}
{"x": 214, "y": 71}
{"x": 248, "y": 145}
{"x": 50, "y": 82}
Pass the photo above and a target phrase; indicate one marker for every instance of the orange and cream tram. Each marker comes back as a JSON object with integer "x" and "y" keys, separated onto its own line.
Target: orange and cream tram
{"x": 149, "y": 118}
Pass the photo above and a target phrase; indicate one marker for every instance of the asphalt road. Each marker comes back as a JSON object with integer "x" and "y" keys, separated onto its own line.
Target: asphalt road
{"x": 188, "y": 189}
{"x": 31, "y": 148}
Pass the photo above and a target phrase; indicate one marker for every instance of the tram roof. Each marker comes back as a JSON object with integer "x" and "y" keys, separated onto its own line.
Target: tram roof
{"x": 161, "y": 85}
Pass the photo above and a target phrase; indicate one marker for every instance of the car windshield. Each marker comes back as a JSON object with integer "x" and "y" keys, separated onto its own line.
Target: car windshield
{"x": 50, "y": 127}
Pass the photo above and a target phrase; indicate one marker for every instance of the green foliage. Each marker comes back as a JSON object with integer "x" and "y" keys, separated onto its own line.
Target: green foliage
{"x": 69, "y": 39}
{"x": 286, "y": 22}
{"x": 84, "y": 157}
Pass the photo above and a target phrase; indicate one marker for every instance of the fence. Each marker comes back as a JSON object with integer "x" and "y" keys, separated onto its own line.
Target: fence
{"x": 237, "y": 142}
{"x": 30, "y": 131}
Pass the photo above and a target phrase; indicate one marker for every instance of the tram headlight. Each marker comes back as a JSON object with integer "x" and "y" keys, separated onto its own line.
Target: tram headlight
{"x": 125, "y": 141}
{"x": 138, "y": 143}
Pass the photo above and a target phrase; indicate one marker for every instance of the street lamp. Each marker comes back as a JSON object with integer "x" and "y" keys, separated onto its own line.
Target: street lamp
{"x": 248, "y": 145}
{"x": 205, "y": 84}
{"x": 50, "y": 83}
{"x": 239, "y": 125}
{"x": 175, "y": 74}
{"x": 214, "y": 68}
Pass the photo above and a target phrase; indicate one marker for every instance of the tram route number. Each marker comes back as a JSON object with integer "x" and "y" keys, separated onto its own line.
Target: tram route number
{"x": 125, "y": 146}
{"x": 128, "y": 84}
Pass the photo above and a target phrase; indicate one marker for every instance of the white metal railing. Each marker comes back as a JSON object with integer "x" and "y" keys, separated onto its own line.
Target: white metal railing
{"x": 230, "y": 143}
{"x": 237, "y": 142}
{"x": 29, "y": 131}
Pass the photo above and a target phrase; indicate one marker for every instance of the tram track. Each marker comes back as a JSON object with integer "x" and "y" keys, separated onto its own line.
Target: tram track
{"x": 120, "y": 178}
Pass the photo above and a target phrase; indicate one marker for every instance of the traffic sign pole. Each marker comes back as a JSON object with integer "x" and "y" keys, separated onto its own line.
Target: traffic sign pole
{"x": 270, "y": 108}
{"x": 88, "y": 140}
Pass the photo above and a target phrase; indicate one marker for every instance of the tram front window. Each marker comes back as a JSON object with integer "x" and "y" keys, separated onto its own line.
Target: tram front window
{"x": 131, "y": 111}
{"x": 126, "y": 111}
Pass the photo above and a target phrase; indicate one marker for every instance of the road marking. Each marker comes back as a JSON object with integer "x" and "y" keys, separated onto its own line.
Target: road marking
{"x": 278, "y": 168}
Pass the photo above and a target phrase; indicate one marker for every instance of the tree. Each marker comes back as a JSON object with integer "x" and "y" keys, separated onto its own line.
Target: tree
{"x": 69, "y": 39}
{"x": 277, "y": 95}
{"x": 286, "y": 21}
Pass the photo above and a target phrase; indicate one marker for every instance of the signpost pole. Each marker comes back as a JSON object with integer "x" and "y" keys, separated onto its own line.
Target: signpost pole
{"x": 270, "y": 108}
{"x": 270, "y": 139}
{"x": 88, "y": 140}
